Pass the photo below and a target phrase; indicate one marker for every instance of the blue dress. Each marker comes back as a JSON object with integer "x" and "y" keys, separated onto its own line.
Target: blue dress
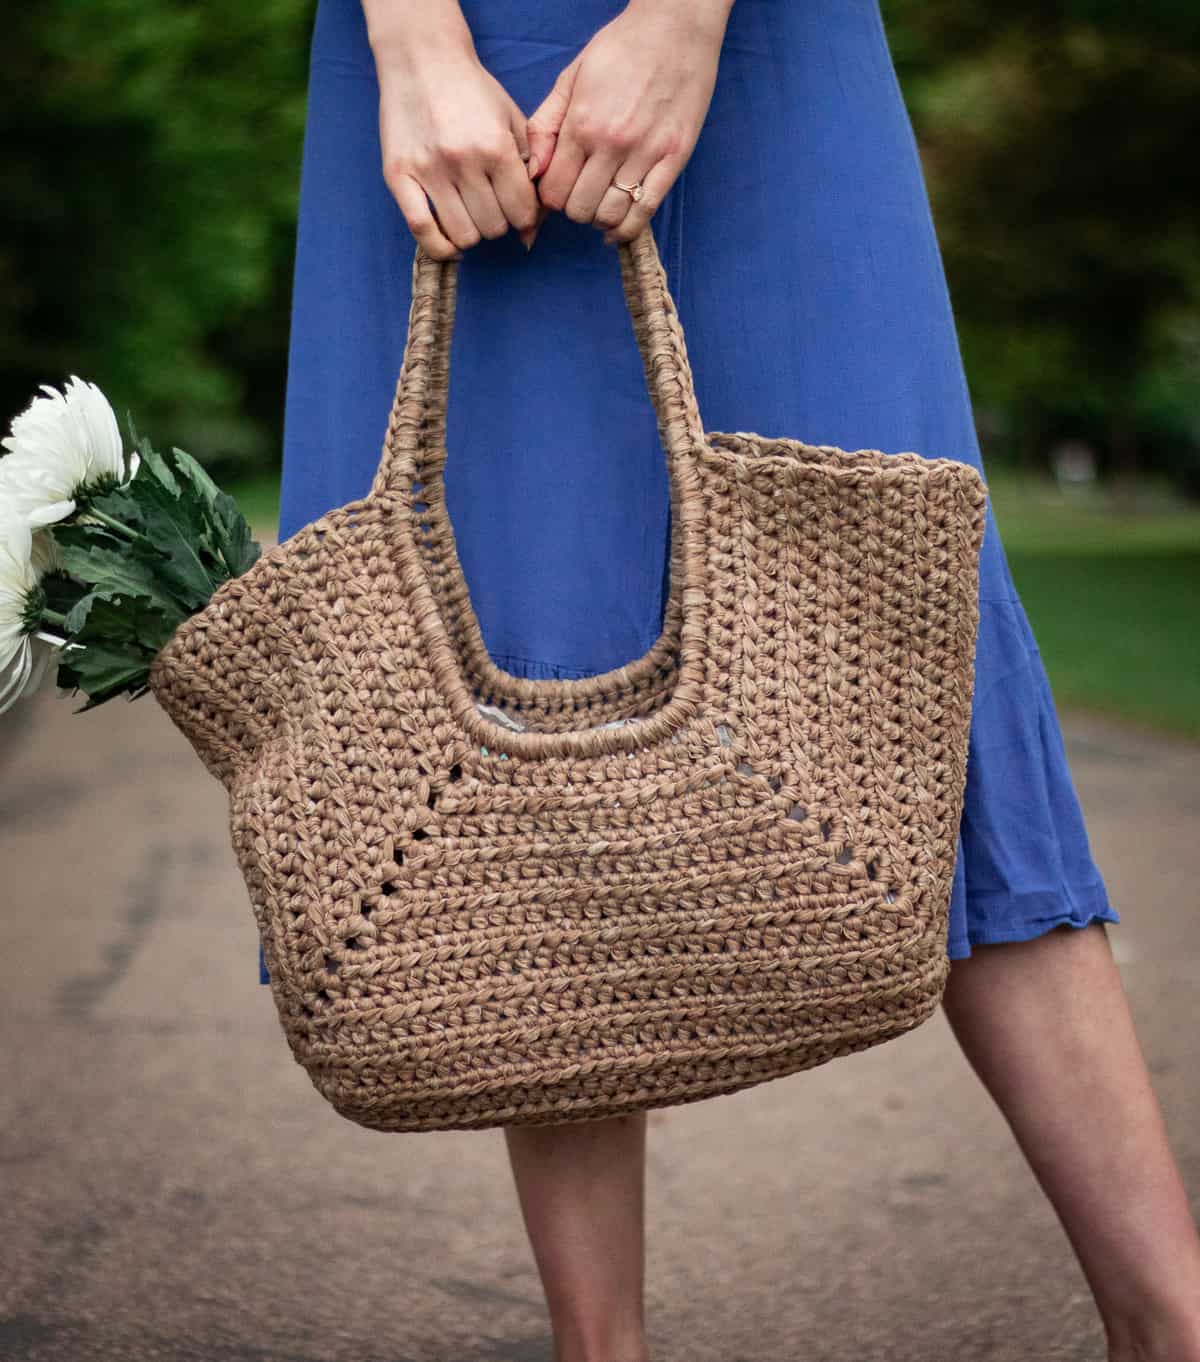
{"x": 800, "y": 251}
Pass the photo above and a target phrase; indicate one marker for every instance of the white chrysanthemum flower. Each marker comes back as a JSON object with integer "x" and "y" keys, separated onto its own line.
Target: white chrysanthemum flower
{"x": 45, "y": 553}
{"x": 61, "y": 445}
{"x": 25, "y": 651}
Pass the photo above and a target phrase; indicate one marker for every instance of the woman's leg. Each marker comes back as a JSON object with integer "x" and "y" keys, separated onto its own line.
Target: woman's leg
{"x": 582, "y": 1191}
{"x": 1046, "y": 1026}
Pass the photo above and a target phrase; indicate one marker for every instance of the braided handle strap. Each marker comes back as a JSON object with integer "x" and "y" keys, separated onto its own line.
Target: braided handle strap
{"x": 418, "y": 417}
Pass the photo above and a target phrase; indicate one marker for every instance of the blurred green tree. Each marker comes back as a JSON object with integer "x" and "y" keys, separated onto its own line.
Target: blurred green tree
{"x": 150, "y": 173}
{"x": 1060, "y": 142}
{"x": 150, "y": 168}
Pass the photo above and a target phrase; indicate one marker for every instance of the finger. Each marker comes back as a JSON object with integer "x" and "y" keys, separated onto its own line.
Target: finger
{"x": 615, "y": 203}
{"x": 516, "y": 123}
{"x": 558, "y": 179}
{"x": 542, "y": 126}
{"x": 529, "y": 233}
{"x": 591, "y": 186}
{"x": 655, "y": 184}
{"x": 414, "y": 204}
{"x": 511, "y": 183}
{"x": 479, "y": 196}
{"x": 454, "y": 218}
{"x": 520, "y": 132}
{"x": 531, "y": 236}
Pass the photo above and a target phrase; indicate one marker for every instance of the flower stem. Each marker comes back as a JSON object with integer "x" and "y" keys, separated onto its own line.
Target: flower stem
{"x": 113, "y": 524}
{"x": 54, "y": 616}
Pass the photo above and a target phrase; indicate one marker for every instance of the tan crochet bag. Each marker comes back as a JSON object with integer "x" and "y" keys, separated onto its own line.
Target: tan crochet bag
{"x": 485, "y": 900}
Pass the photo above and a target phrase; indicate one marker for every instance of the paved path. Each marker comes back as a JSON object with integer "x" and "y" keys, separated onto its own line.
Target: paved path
{"x": 176, "y": 1189}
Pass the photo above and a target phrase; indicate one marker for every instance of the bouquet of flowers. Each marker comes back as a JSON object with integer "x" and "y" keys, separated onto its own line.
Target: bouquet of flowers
{"x": 102, "y": 554}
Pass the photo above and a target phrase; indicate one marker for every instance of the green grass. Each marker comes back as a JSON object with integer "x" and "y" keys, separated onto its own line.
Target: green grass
{"x": 1112, "y": 598}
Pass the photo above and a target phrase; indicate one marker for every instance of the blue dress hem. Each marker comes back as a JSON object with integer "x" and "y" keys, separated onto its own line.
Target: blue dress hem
{"x": 1082, "y": 908}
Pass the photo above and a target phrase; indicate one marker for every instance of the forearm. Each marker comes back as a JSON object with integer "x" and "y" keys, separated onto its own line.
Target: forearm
{"x": 397, "y": 26}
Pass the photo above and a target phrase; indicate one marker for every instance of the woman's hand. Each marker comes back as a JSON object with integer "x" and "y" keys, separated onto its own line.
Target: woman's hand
{"x": 629, "y": 107}
{"x": 448, "y": 129}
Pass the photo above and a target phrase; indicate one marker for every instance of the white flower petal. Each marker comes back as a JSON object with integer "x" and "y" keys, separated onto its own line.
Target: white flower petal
{"x": 60, "y": 442}
{"x": 16, "y": 552}
{"x": 98, "y": 427}
{"x": 50, "y": 515}
{"x": 40, "y": 655}
{"x": 45, "y": 554}
{"x": 14, "y": 673}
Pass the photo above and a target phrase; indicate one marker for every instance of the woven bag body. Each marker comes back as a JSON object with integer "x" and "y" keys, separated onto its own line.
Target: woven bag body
{"x": 469, "y": 926}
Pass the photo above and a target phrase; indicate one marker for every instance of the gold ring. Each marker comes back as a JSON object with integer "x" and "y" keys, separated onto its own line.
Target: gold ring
{"x": 634, "y": 190}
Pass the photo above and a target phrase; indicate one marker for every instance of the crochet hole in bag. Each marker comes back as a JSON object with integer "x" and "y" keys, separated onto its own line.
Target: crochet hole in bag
{"x": 798, "y": 812}
{"x": 452, "y": 776}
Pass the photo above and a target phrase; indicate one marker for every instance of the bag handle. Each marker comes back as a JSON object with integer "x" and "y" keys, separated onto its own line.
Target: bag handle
{"x": 417, "y": 422}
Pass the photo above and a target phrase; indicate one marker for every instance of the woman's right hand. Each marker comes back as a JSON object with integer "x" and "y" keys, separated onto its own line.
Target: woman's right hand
{"x": 448, "y": 130}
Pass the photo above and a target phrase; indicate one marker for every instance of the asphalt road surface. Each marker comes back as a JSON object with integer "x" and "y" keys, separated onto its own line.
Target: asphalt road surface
{"x": 174, "y": 1187}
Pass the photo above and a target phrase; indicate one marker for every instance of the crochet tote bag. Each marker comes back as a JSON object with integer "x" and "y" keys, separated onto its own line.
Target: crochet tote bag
{"x": 487, "y": 900}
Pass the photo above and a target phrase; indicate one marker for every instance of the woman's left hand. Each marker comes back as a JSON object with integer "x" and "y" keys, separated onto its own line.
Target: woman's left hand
{"x": 629, "y": 107}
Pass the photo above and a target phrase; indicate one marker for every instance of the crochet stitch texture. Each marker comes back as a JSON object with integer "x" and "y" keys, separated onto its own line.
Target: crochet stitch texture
{"x": 471, "y": 923}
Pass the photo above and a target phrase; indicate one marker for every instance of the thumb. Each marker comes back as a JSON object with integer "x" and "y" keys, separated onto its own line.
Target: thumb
{"x": 543, "y": 124}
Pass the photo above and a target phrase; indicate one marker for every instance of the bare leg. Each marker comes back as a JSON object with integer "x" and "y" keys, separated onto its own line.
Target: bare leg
{"x": 582, "y": 1191}
{"x": 1046, "y": 1026}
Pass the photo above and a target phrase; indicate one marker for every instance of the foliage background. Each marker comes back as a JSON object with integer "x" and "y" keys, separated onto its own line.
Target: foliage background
{"x": 150, "y": 173}
{"x": 150, "y": 169}
{"x": 1060, "y": 142}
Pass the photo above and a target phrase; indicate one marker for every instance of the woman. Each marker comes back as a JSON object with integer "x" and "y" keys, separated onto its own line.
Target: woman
{"x": 767, "y": 145}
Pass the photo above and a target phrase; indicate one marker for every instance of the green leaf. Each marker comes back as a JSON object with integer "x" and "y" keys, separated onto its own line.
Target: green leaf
{"x": 83, "y": 534}
{"x": 120, "y": 570}
{"x": 174, "y": 526}
{"x": 116, "y": 641}
{"x": 102, "y": 672}
{"x": 124, "y": 598}
{"x": 229, "y": 530}
{"x": 107, "y": 618}
{"x": 158, "y": 466}
{"x": 238, "y": 549}
{"x": 196, "y": 474}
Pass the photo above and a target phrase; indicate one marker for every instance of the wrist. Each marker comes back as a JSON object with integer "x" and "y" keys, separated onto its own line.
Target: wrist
{"x": 398, "y": 30}
{"x": 709, "y": 15}
{"x": 690, "y": 9}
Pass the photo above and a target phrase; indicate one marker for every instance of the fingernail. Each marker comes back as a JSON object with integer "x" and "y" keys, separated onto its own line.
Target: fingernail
{"x": 534, "y": 166}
